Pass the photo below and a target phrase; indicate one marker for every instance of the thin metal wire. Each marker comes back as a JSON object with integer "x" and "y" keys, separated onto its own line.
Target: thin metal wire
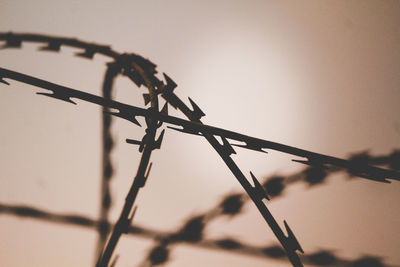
{"x": 141, "y": 71}
{"x": 159, "y": 254}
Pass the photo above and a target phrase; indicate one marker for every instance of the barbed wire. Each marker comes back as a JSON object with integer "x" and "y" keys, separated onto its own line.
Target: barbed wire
{"x": 107, "y": 165}
{"x": 160, "y": 254}
{"x": 141, "y": 72}
{"x": 148, "y": 143}
{"x": 256, "y": 193}
{"x": 275, "y": 185}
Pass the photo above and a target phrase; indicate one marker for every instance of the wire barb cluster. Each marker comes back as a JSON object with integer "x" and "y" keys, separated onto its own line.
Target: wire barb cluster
{"x": 142, "y": 72}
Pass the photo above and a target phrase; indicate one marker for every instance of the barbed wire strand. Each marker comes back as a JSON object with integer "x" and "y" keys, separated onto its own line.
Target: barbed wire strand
{"x": 232, "y": 204}
{"x": 159, "y": 255}
{"x": 107, "y": 166}
{"x": 90, "y": 49}
{"x": 139, "y": 76}
{"x": 148, "y": 144}
{"x": 256, "y": 193}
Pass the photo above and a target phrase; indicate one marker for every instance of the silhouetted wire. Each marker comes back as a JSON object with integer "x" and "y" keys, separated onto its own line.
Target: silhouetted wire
{"x": 108, "y": 144}
{"x": 256, "y": 193}
{"x": 90, "y": 49}
{"x": 148, "y": 143}
{"x": 139, "y": 76}
{"x": 289, "y": 242}
{"x": 232, "y": 204}
{"x": 159, "y": 254}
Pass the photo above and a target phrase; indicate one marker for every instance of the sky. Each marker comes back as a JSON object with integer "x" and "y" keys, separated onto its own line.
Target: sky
{"x": 318, "y": 75}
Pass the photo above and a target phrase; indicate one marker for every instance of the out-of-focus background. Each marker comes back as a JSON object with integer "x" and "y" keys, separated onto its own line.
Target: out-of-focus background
{"x": 319, "y": 75}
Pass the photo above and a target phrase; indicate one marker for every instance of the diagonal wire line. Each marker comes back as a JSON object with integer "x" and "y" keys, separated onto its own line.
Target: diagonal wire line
{"x": 156, "y": 255}
{"x": 256, "y": 192}
{"x": 129, "y": 112}
{"x": 275, "y": 185}
{"x": 53, "y": 43}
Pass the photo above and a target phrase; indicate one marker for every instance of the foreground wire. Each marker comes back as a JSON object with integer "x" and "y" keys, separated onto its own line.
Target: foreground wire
{"x": 129, "y": 113}
{"x": 275, "y": 185}
{"x": 149, "y": 144}
{"x": 256, "y": 193}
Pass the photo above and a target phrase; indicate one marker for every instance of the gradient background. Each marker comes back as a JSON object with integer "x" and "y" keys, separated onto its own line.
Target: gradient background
{"x": 319, "y": 75}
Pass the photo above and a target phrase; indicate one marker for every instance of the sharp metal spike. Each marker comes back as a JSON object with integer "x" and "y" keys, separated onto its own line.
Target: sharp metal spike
{"x": 292, "y": 239}
{"x": 133, "y": 142}
{"x": 12, "y": 41}
{"x": 3, "y": 81}
{"x": 251, "y": 146}
{"x": 227, "y": 146}
{"x": 170, "y": 86}
{"x": 159, "y": 124}
{"x": 87, "y": 53}
{"x": 142, "y": 180}
{"x": 306, "y": 162}
{"x": 164, "y": 110}
{"x": 124, "y": 115}
{"x": 260, "y": 191}
{"x": 134, "y": 120}
{"x": 59, "y": 96}
{"x": 157, "y": 144}
{"x": 197, "y": 112}
{"x": 184, "y": 130}
{"x": 51, "y": 46}
{"x": 146, "y": 98}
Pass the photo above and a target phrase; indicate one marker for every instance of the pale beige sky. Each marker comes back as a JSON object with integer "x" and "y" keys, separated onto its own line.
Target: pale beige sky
{"x": 318, "y": 75}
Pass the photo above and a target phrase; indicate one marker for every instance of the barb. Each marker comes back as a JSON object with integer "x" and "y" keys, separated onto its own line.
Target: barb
{"x": 318, "y": 258}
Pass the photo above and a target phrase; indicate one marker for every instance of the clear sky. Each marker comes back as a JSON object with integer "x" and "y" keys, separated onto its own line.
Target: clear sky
{"x": 319, "y": 75}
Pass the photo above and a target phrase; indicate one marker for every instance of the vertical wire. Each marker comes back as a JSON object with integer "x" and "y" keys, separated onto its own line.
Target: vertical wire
{"x": 103, "y": 227}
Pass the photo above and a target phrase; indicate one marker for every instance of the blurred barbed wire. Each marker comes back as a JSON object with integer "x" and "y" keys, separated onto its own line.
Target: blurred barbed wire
{"x": 136, "y": 68}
